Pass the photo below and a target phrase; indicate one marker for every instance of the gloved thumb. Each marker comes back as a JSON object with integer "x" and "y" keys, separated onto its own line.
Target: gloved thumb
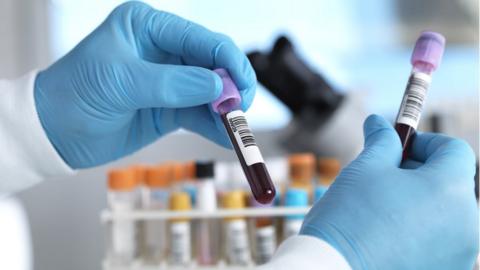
{"x": 382, "y": 143}
{"x": 172, "y": 86}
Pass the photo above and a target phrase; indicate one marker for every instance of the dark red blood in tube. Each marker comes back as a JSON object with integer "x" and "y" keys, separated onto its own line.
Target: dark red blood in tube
{"x": 257, "y": 175}
{"x": 407, "y": 135}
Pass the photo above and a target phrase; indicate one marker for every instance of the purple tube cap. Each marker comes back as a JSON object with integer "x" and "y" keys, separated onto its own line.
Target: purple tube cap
{"x": 429, "y": 49}
{"x": 230, "y": 98}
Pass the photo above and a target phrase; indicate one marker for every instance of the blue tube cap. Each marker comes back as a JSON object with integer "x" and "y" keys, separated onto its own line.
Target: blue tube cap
{"x": 295, "y": 197}
{"x": 318, "y": 193}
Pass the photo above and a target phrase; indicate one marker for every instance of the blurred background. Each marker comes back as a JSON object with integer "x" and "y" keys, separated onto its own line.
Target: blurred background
{"x": 361, "y": 48}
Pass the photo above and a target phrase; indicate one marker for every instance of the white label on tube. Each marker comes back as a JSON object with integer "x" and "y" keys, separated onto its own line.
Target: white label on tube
{"x": 266, "y": 243}
{"x": 123, "y": 240}
{"x": 238, "y": 250}
{"x": 413, "y": 99}
{"x": 123, "y": 231}
{"x": 244, "y": 137}
{"x": 291, "y": 227}
{"x": 180, "y": 243}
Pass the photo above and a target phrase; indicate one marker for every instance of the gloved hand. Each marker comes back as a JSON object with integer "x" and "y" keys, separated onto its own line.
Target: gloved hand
{"x": 140, "y": 75}
{"x": 422, "y": 215}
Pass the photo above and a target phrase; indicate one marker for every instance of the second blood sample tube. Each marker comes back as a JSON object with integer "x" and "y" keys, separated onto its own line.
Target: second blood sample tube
{"x": 426, "y": 57}
{"x": 243, "y": 141}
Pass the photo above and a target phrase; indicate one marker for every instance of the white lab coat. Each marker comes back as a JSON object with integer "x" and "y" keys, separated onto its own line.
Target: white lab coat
{"x": 27, "y": 158}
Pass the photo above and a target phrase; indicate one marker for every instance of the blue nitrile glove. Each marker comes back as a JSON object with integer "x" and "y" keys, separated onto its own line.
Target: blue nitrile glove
{"x": 380, "y": 216}
{"x": 141, "y": 74}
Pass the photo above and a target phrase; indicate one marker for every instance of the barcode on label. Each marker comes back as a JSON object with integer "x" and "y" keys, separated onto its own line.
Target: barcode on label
{"x": 243, "y": 137}
{"x": 239, "y": 124}
{"x": 413, "y": 100}
{"x": 417, "y": 89}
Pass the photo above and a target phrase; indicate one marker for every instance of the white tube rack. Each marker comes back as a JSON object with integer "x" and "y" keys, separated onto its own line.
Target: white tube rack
{"x": 108, "y": 216}
{"x": 140, "y": 266}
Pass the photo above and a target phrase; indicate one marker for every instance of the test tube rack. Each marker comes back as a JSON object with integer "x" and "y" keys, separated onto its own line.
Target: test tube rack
{"x": 107, "y": 216}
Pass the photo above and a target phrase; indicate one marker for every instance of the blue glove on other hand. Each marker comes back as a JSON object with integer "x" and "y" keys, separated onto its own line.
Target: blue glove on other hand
{"x": 422, "y": 215}
{"x": 140, "y": 75}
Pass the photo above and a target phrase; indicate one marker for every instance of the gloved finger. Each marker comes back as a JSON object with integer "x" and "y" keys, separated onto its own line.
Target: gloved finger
{"x": 382, "y": 143}
{"x": 438, "y": 151}
{"x": 196, "y": 45}
{"x": 170, "y": 86}
{"x": 247, "y": 97}
{"x": 199, "y": 120}
{"x": 410, "y": 164}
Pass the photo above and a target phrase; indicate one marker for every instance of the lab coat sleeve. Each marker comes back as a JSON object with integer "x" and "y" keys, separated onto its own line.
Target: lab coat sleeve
{"x": 306, "y": 253}
{"x": 26, "y": 154}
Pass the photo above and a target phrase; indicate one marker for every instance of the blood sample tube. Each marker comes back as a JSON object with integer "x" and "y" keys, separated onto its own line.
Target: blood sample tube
{"x": 237, "y": 245}
{"x": 294, "y": 197}
{"x": 123, "y": 197}
{"x": 328, "y": 169}
{"x": 208, "y": 242}
{"x": 426, "y": 57}
{"x": 156, "y": 196}
{"x": 243, "y": 141}
{"x": 180, "y": 234}
{"x": 302, "y": 171}
{"x": 265, "y": 235}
